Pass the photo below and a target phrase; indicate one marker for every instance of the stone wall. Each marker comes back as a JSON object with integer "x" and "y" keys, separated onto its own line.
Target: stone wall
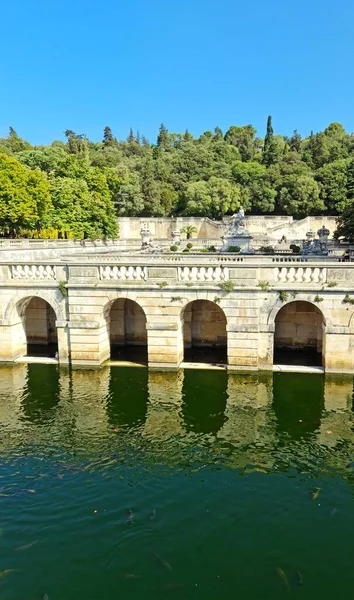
{"x": 272, "y": 226}
{"x": 252, "y": 298}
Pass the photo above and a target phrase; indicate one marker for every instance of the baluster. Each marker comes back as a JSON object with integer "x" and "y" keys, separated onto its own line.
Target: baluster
{"x": 290, "y": 275}
{"x": 307, "y": 275}
{"x": 116, "y": 273}
{"x": 299, "y": 275}
{"x": 193, "y": 273}
{"x": 201, "y": 274}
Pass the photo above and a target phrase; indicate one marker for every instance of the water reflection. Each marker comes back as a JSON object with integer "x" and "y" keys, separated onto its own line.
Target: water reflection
{"x": 298, "y": 402}
{"x": 204, "y": 400}
{"x": 250, "y": 416}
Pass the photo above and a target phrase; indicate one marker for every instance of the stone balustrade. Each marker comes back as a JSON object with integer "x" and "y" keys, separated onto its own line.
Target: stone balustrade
{"x": 207, "y": 270}
{"x": 123, "y": 273}
{"x": 300, "y": 275}
{"x": 33, "y": 272}
{"x": 201, "y": 274}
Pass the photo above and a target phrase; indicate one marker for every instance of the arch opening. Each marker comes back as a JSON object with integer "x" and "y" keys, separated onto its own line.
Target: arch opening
{"x": 127, "y": 331}
{"x": 299, "y": 335}
{"x": 204, "y": 332}
{"x": 39, "y": 328}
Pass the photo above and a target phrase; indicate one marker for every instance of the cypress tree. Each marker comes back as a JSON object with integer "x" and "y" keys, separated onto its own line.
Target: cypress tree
{"x": 108, "y": 138}
{"x": 162, "y": 138}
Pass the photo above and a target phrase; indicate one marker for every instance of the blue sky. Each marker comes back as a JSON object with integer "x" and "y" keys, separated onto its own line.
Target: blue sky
{"x": 192, "y": 64}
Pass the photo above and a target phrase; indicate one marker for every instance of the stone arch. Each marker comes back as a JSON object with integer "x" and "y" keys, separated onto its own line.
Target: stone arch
{"x": 273, "y": 313}
{"x": 204, "y": 331}
{"x": 34, "y": 323}
{"x": 299, "y": 334}
{"x": 18, "y": 303}
{"x": 126, "y": 328}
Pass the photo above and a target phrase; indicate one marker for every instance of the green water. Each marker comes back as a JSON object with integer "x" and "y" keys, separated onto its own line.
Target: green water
{"x": 125, "y": 484}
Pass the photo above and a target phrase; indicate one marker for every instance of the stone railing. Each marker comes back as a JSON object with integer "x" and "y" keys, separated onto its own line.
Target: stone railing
{"x": 41, "y": 272}
{"x": 198, "y": 274}
{"x": 122, "y": 273}
{"x": 209, "y": 270}
{"x": 300, "y": 275}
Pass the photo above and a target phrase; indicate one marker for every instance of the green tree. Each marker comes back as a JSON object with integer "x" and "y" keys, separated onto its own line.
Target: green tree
{"x": 24, "y": 197}
{"x": 189, "y": 230}
{"x": 244, "y": 140}
{"x": 108, "y": 139}
{"x": 345, "y": 223}
{"x": 162, "y": 138}
{"x": 333, "y": 185}
{"x": 299, "y": 196}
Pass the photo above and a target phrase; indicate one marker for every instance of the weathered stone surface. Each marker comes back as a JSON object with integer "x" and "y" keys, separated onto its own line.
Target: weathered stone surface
{"x": 249, "y": 322}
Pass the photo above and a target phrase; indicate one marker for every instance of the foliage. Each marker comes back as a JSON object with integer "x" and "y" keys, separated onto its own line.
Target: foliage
{"x": 267, "y": 249}
{"x": 162, "y": 284}
{"x": 176, "y": 299}
{"x": 24, "y": 197}
{"x": 210, "y": 175}
{"x": 211, "y": 249}
{"x": 234, "y": 249}
{"x": 347, "y": 299}
{"x": 264, "y": 285}
{"x": 331, "y": 284}
{"x": 63, "y": 288}
{"x": 189, "y": 245}
{"x": 283, "y": 296}
{"x": 173, "y": 248}
{"x": 317, "y": 299}
{"x": 295, "y": 248}
{"x": 226, "y": 286}
{"x": 189, "y": 230}
{"x": 217, "y": 300}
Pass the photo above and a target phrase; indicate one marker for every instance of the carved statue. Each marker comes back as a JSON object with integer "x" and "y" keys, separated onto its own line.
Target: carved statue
{"x": 238, "y": 224}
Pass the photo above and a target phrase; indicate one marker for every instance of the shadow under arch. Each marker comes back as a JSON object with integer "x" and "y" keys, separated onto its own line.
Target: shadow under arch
{"x": 126, "y": 324}
{"x": 37, "y": 334}
{"x": 299, "y": 334}
{"x": 204, "y": 332}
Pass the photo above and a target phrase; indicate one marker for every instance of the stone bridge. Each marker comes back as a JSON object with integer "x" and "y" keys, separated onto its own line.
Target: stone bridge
{"x": 241, "y": 310}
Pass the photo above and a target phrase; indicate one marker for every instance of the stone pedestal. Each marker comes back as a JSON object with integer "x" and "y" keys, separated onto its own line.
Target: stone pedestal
{"x": 243, "y": 241}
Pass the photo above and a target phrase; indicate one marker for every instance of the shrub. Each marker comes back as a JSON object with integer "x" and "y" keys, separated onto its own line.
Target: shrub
{"x": 317, "y": 299}
{"x": 296, "y": 249}
{"x": 233, "y": 249}
{"x": 283, "y": 296}
{"x": 63, "y": 289}
{"x": 189, "y": 245}
{"x": 211, "y": 249}
{"x": 267, "y": 249}
{"x": 331, "y": 284}
{"x": 264, "y": 285}
{"x": 347, "y": 299}
{"x": 162, "y": 284}
{"x": 174, "y": 248}
{"x": 185, "y": 250}
{"x": 227, "y": 286}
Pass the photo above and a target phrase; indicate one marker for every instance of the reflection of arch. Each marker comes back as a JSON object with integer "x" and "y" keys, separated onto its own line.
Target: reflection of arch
{"x": 204, "y": 331}
{"x": 37, "y": 332}
{"x": 299, "y": 334}
{"x": 126, "y": 322}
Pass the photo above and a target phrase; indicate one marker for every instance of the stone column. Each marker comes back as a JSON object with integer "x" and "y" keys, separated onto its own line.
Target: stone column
{"x": 338, "y": 350}
{"x": 89, "y": 343}
{"x": 266, "y": 347}
{"x": 63, "y": 342}
{"x": 13, "y": 339}
{"x": 165, "y": 343}
{"x": 242, "y": 346}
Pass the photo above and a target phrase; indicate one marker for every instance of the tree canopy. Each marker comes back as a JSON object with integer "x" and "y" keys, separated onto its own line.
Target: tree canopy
{"x": 79, "y": 186}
